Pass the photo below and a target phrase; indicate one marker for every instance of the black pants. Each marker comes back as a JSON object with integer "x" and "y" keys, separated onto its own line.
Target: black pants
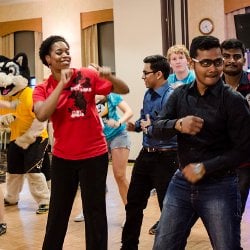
{"x": 244, "y": 185}
{"x": 65, "y": 176}
{"x": 46, "y": 166}
{"x": 151, "y": 170}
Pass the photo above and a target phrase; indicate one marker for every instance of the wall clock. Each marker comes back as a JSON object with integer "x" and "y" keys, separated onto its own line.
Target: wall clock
{"x": 206, "y": 26}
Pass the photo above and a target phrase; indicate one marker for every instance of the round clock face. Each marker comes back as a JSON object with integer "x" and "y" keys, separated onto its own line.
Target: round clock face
{"x": 206, "y": 26}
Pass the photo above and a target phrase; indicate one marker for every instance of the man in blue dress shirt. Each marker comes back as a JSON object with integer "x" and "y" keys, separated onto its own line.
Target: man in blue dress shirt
{"x": 157, "y": 160}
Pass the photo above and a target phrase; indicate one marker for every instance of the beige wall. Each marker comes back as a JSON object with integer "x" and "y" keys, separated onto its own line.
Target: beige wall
{"x": 214, "y": 9}
{"x": 137, "y": 35}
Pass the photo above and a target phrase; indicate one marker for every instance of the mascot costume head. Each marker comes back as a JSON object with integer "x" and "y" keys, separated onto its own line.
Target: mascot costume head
{"x": 14, "y": 74}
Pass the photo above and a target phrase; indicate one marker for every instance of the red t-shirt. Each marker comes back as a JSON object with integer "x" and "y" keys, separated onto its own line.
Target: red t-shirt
{"x": 78, "y": 132}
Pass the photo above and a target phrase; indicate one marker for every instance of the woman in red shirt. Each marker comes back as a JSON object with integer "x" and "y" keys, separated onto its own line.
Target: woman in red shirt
{"x": 80, "y": 155}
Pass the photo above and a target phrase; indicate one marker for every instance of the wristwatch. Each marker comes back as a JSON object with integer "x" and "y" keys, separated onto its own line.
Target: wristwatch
{"x": 197, "y": 169}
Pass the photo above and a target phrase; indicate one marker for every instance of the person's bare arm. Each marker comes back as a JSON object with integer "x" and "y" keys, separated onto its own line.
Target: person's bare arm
{"x": 119, "y": 86}
{"x": 127, "y": 114}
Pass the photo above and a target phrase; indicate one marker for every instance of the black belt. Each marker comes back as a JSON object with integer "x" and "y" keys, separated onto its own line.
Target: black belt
{"x": 151, "y": 149}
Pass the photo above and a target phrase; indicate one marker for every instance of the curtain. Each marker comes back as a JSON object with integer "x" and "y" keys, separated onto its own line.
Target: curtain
{"x": 38, "y": 63}
{"x": 7, "y": 45}
{"x": 230, "y": 26}
{"x": 90, "y": 45}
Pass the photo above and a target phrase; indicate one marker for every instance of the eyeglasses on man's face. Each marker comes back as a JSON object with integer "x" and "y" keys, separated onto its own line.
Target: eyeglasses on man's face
{"x": 145, "y": 73}
{"x": 236, "y": 57}
{"x": 208, "y": 62}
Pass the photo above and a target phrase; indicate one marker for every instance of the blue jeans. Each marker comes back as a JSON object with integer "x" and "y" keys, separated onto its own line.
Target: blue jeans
{"x": 216, "y": 200}
{"x": 244, "y": 184}
{"x": 120, "y": 141}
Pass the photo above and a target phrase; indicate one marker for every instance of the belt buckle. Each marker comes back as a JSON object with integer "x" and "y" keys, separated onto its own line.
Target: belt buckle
{"x": 151, "y": 150}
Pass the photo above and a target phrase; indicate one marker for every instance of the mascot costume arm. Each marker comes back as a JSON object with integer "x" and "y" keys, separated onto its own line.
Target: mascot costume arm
{"x": 6, "y": 119}
{"x": 30, "y": 135}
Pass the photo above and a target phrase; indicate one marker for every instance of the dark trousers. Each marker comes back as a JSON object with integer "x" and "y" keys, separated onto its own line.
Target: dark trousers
{"x": 244, "y": 185}
{"x": 151, "y": 170}
{"x": 65, "y": 177}
{"x": 46, "y": 169}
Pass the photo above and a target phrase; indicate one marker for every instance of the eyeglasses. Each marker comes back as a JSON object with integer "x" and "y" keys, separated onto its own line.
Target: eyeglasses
{"x": 145, "y": 73}
{"x": 208, "y": 62}
{"x": 235, "y": 57}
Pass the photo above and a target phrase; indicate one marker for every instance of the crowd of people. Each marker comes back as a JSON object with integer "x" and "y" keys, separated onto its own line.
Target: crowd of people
{"x": 194, "y": 120}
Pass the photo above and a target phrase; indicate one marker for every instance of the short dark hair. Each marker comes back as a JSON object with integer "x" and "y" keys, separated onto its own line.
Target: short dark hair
{"x": 46, "y": 46}
{"x": 233, "y": 43}
{"x": 158, "y": 63}
{"x": 203, "y": 43}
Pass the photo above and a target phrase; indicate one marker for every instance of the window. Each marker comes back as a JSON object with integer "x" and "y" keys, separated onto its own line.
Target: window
{"x": 174, "y": 15}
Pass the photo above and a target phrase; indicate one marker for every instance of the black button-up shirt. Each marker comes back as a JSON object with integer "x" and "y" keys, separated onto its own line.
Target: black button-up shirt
{"x": 224, "y": 141}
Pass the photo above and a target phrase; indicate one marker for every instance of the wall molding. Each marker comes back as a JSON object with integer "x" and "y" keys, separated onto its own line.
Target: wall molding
{"x": 232, "y": 5}
{"x": 34, "y": 24}
{"x": 94, "y": 17}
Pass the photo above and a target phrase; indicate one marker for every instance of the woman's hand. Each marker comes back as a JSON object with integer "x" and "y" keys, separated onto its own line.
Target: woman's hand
{"x": 113, "y": 123}
{"x": 66, "y": 75}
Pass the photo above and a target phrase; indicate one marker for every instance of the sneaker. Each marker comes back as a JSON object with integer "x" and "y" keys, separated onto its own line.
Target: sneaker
{"x": 152, "y": 230}
{"x": 3, "y": 228}
{"x": 7, "y": 203}
{"x": 42, "y": 209}
{"x": 79, "y": 218}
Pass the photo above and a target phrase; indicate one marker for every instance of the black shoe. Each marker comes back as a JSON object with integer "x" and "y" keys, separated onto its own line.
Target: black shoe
{"x": 7, "y": 203}
{"x": 42, "y": 209}
{"x": 152, "y": 230}
{"x": 3, "y": 228}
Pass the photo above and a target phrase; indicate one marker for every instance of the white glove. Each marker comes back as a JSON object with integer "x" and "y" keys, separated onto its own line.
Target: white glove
{"x": 30, "y": 135}
{"x": 6, "y": 120}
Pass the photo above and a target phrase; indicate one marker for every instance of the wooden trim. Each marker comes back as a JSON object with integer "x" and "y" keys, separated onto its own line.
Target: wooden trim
{"x": 94, "y": 17}
{"x": 9, "y": 27}
{"x": 172, "y": 14}
{"x": 232, "y": 5}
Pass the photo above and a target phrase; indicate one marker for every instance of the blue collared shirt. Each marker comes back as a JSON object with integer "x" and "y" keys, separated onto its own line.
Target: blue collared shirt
{"x": 153, "y": 102}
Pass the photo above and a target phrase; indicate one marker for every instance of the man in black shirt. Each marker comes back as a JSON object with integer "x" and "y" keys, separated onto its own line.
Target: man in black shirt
{"x": 233, "y": 52}
{"x": 212, "y": 124}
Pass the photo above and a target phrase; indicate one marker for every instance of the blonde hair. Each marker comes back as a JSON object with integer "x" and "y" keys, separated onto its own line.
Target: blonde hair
{"x": 178, "y": 49}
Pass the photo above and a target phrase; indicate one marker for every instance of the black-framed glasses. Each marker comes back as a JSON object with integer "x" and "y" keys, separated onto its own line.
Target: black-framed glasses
{"x": 235, "y": 57}
{"x": 208, "y": 62}
{"x": 145, "y": 73}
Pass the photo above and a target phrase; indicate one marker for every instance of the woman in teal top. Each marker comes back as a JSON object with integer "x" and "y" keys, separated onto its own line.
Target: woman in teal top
{"x": 114, "y": 128}
{"x": 110, "y": 117}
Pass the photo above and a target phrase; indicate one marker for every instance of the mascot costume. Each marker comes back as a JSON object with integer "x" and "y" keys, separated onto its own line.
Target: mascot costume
{"x": 28, "y": 136}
